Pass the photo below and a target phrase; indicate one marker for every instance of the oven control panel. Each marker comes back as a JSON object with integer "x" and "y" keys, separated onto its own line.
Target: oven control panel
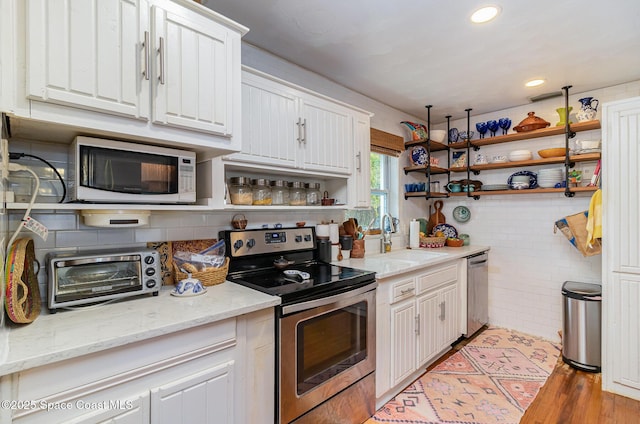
{"x": 252, "y": 242}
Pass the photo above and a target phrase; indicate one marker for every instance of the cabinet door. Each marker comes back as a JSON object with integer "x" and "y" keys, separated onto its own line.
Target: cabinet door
{"x": 624, "y": 295}
{"x": 269, "y": 129}
{"x": 403, "y": 340}
{"x": 130, "y": 411}
{"x": 88, "y": 53}
{"x": 428, "y": 344}
{"x": 205, "y": 398}
{"x": 193, "y": 60}
{"x": 327, "y": 136}
{"x": 621, "y": 143}
{"x": 448, "y": 311}
{"x": 361, "y": 169}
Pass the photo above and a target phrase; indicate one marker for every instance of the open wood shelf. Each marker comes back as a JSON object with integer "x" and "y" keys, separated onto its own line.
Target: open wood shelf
{"x": 435, "y": 145}
{"x": 533, "y": 162}
{"x": 525, "y": 191}
{"x": 430, "y": 194}
{"x": 423, "y": 169}
{"x": 544, "y": 132}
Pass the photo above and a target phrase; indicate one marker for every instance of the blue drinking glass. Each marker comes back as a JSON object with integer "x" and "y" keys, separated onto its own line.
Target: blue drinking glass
{"x": 505, "y": 124}
{"x": 482, "y": 128}
{"x": 493, "y": 127}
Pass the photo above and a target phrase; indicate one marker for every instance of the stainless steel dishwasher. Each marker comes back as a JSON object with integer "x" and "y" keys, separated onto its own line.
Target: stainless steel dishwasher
{"x": 477, "y": 292}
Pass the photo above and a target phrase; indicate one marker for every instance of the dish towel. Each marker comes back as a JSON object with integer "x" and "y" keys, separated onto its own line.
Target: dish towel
{"x": 594, "y": 219}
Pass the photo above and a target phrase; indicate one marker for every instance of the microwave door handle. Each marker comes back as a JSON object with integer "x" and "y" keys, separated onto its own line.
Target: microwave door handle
{"x": 108, "y": 174}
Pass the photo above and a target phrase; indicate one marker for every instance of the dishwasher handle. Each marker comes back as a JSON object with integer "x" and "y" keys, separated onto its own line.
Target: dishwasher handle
{"x": 477, "y": 260}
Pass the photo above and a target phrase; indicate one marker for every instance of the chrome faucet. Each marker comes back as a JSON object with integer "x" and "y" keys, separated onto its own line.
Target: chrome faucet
{"x": 385, "y": 241}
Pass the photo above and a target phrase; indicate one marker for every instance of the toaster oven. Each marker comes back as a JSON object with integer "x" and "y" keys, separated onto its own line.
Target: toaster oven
{"x": 90, "y": 277}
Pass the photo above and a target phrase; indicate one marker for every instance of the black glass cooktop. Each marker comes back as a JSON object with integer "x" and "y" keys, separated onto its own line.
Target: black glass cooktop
{"x": 324, "y": 279}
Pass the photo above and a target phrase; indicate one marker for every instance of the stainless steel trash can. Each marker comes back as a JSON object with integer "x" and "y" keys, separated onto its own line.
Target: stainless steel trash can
{"x": 582, "y": 325}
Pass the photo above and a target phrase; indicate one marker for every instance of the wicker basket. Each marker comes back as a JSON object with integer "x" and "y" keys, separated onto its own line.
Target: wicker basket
{"x": 209, "y": 277}
{"x": 432, "y": 241}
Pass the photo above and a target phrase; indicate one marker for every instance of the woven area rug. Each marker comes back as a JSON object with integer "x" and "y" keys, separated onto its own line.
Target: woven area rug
{"x": 493, "y": 379}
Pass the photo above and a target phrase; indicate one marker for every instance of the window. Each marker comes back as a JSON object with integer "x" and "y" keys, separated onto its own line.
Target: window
{"x": 384, "y": 192}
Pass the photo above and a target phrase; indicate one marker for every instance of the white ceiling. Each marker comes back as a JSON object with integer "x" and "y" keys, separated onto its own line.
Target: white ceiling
{"x": 409, "y": 53}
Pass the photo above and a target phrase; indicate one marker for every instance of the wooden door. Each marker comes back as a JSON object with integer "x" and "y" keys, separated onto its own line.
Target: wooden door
{"x": 403, "y": 340}
{"x": 193, "y": 63}
{"x": 327, "y": 136}
{"x": 89, "y": 54}
{"x": 206, "y": 398}
{"x": 428, "y": 345}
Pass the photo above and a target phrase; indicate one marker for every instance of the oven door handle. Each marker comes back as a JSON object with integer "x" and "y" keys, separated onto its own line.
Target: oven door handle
{"x": 297, "y": 307}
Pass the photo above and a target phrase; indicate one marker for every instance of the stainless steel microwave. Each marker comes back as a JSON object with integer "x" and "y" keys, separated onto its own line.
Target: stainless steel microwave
{"x": 90, "y": 277}
{"x": 110, "y": 171}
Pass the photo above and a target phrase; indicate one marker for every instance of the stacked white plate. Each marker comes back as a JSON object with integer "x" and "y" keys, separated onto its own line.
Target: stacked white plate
{"x": 548, "y": 178}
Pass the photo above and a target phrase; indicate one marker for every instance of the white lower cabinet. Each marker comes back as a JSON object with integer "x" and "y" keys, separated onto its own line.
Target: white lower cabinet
{"x": 417, "y": 320}
{"x": 205, "y": 374}
{"x": 203, "y": 398}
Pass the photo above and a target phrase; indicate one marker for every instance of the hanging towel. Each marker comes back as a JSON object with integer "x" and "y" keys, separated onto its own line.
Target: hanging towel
{"x": 594, "y": 219}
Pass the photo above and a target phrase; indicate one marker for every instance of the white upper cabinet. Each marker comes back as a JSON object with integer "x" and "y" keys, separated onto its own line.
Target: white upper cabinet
{"x": 193, "y": 65}
{"x": 90, "y": 54}
{"x": 269, "y": 122}
{"x": 327, "y": 136}
{"x": 163, "y": 71}
{"x": 287, "y": 126}
{"x": 361, "y": 168}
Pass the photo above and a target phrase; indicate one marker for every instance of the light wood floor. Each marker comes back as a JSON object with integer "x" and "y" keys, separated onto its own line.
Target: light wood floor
{"x": 571, "y": 396}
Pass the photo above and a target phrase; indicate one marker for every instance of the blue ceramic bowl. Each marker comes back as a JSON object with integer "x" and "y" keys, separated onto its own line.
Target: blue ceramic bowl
{"x": 482, "y": 127}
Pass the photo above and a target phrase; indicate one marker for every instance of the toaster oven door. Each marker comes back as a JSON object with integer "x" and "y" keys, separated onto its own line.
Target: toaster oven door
{"x": 75, "y": 281}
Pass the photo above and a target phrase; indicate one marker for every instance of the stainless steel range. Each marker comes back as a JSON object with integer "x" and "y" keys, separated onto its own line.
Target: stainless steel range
{"x": 325, "y": 326}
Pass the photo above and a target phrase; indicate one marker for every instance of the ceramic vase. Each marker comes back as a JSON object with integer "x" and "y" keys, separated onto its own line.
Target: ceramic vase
{"x": 563, "y": 116}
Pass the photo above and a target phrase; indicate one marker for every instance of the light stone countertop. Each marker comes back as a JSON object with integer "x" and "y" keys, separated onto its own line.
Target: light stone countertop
{"x": 72, "y": 333}
{"x": 401, "y": 261}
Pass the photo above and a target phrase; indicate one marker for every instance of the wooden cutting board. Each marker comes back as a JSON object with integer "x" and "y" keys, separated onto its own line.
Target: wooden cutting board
{"x": 437, "y": 217}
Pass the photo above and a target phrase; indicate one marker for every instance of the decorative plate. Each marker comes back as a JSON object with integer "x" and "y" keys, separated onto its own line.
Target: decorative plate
{"x": 419, "y": 155}
{"x": 533, "y": 178}
{"x": 461, "y": 213}
{"x": 453, "y": 135}
{"x": 448, "y": 230}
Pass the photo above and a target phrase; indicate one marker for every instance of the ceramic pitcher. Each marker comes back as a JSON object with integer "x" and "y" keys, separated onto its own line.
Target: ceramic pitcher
{"x": 588, "y": 109}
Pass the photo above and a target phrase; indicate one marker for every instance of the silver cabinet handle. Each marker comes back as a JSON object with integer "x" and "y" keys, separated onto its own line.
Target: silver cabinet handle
{"x": 409, "y": 290}
{"x": 146, "y": 56}
{"x": 442, "y": 311}
{"x": 299, "y": 123}
{"x": 359, "y": 156}
{"x": 161, "y": 51}
{"x": 304, "y": 130}
{"x": 418, "y": 324}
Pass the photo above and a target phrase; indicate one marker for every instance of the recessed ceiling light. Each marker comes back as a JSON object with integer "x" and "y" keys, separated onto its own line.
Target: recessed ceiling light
{"x": 485, "y": 14}
{"x": 534, "y": 83}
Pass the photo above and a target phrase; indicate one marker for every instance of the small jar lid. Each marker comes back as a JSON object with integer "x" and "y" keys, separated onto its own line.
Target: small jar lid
{"x": 279, "y": 183}
{"x": 260, "y": 181}
{"x": 313, "y": 185}
{"x": 240, "y": 180}
{"x": 297, "y": 184}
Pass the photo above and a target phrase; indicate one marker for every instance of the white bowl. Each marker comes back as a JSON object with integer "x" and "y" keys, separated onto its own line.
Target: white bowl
{"x": 437, "y": 135}
{"x": 518, "y": 155}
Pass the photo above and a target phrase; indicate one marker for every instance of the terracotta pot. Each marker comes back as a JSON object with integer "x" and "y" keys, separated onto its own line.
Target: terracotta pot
{"x": 530, "y": 123}
{"x": 357, "y": 250}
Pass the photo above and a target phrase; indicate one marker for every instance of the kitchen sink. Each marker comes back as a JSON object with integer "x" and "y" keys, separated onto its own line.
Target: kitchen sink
{"x": 413, "y": 255}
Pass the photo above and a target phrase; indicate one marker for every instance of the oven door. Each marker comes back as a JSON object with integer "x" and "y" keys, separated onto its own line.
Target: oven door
{"x": 325, "y": 346}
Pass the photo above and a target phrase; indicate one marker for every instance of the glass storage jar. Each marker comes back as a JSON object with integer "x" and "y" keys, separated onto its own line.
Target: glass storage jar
{"x": 297, "y": 194}
{"x": 279, "y": 192}
{"x": 261, "y": 192}
{"x": 240, "y": 191}
{"x": 313, "y": 194}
